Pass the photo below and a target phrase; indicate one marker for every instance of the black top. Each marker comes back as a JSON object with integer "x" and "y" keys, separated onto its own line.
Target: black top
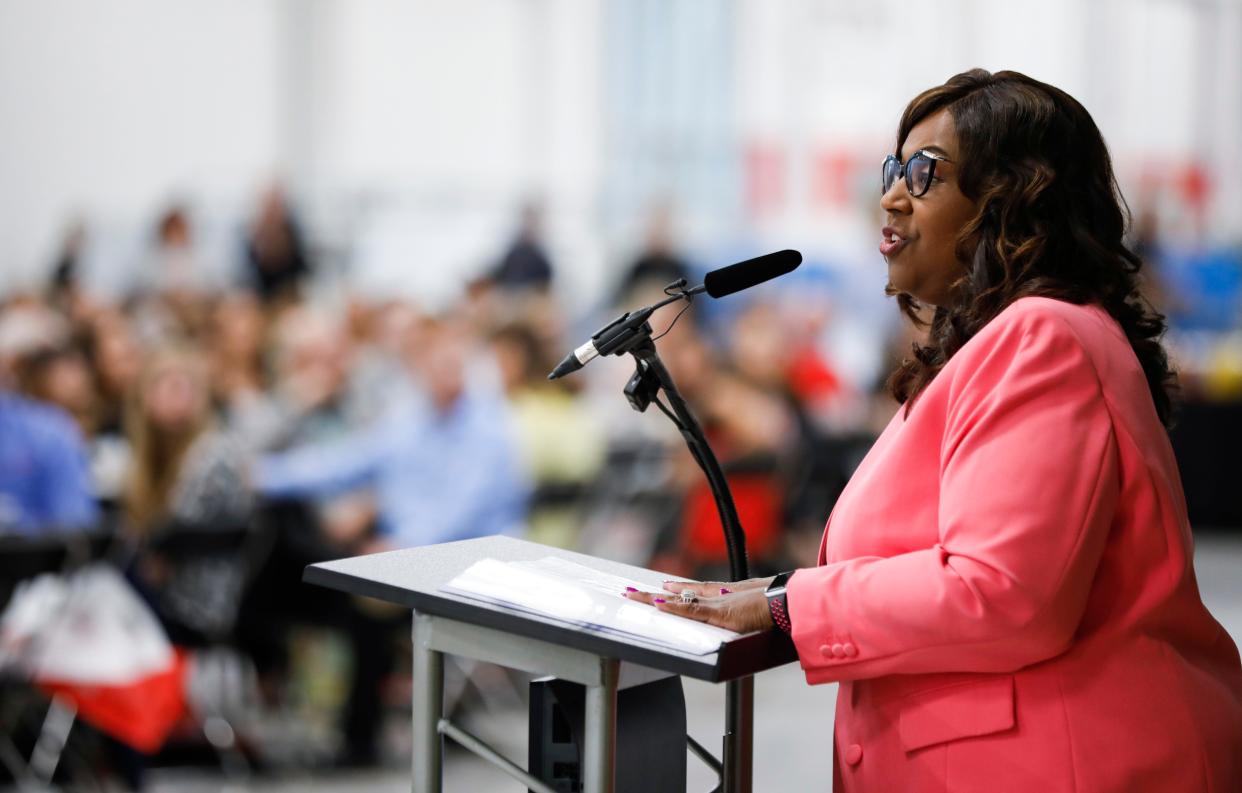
{"x": 524, "y": 266}
{"x": 413, "y": 578}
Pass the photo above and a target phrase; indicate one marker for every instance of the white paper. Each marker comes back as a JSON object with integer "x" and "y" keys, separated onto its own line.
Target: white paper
{"x": 585, "y": 597}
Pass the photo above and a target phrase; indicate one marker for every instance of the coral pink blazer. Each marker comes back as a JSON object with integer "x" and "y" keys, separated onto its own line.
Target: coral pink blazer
{"x": 1006, "y": 586}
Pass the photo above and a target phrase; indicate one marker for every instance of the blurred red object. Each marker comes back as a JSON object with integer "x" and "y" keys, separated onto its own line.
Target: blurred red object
{"x": 758, "y": 501}
{"x": 811, "y": 378}
{"x": 140, "y": 713}
{"x": 89, "y": 640}
{"x": 835, "y": 174}
{"x": 765, "y": 178}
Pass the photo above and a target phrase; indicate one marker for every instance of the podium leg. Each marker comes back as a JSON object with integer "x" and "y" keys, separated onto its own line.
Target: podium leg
{"x": 739, "y": 735}
{"x": 428, "y": 708}
{"x": 599, "y": 750}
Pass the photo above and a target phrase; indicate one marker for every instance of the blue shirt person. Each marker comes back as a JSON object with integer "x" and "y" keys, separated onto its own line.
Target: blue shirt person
{"x": 438, "y": 473}
{"x": 45, "y": 483}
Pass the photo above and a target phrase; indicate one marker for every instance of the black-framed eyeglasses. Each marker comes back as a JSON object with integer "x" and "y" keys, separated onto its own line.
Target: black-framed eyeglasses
{"x": 918, "y": 170}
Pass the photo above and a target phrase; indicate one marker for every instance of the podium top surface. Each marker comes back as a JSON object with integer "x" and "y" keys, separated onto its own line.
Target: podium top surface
{"x": 413, "y": 578}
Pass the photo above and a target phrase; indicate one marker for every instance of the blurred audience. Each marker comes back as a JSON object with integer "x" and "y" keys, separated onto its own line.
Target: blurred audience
{"x": 185, "y": 475}
{"x": 60, "y": 375}
{"x": 235, "y": 343}
{"x": 439, "y": 464}
{"x": 525, "y": 265}
{"x": 168, "y": 299}
{"x": 316, "y": 398}
{"x": 115, "y": 359}
{"x": 44, "y": 480}
{"x": 560, "y": 443}
{"x": 750, "y": 425}
{"x": 657, "y": 265}
{"x": 442, "y": 469}
{"x": 65, "y": 290}
{"x": 276, "y": 257}
{"x": 176, "y": 268}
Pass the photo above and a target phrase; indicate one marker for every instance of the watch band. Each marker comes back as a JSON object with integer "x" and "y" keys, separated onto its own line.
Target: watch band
{"x": 778, "y": 604}
{"x": 778, "y": 607}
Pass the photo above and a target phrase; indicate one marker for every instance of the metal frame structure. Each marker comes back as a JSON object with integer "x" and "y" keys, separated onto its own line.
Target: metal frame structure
{"x": 434, "y": 637}
{"x": 602, "y": 663}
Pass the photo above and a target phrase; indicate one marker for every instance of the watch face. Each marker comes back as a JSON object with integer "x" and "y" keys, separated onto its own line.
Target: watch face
{"x": 779, "y": 582}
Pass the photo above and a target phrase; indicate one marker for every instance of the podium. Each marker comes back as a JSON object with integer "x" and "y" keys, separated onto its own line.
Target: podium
{"x": 603, "y": 663}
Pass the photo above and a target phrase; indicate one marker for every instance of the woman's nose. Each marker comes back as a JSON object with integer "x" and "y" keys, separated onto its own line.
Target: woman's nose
{"x": 897, "y": 199}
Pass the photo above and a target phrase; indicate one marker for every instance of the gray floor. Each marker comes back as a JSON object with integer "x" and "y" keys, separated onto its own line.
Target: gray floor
{"x": 793, "y": 721}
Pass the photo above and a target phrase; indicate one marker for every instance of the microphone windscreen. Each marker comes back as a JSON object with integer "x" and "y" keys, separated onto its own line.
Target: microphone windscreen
{"x": 751, "y": 272}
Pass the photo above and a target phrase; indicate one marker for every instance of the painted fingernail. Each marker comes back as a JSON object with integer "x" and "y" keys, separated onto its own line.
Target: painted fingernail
{"x": 725, "y": 590}
{"x": 630, "y": 589}
{"x": 658, "y": 600}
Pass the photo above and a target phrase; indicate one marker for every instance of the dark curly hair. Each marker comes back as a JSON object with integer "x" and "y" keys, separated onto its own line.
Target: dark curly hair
{"x": 1050, "y": 222}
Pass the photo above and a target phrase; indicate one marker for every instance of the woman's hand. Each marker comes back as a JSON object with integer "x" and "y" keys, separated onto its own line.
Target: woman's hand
{"x": 705, "y": 589}
{"x": 740, "y": 606}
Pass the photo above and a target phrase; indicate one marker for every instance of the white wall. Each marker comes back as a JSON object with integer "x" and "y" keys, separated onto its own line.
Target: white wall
{"x": 108, "y": 109}
{"x": 432, "y": 121}
{"x": 1162, "y": 78}
{"x": 412, "y": 128}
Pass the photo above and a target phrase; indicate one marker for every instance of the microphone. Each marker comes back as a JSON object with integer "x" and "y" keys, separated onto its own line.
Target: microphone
{"x": 616, "y": 336}
{"x": 606, "y": 341}
{"x": 752, "y": 272}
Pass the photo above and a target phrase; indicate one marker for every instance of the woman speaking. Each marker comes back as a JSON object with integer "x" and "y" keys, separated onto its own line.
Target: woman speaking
{"x": 1005, "y": 588}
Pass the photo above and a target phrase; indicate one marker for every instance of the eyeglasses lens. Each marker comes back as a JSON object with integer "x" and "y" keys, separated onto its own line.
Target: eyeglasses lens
{"x": 892, "y": 169}
{"x": 918, "y": 174}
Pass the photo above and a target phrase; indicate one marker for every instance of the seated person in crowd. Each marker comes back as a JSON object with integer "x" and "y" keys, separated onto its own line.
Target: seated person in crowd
{"x": 657, "y": 265}
{"x": 235, "y": 339}
{"x": 442, "y": 468}
{"x": 44, "y": 480}
{"x": 184, "y": 475}
{"x": 115, "y": 358}
{"x": 561, "y": 445}
{"x": 60, "y": 375}
{"x": 276, "y": 256}
{"x": 525, "y": 265}
{"x": 314, "y": 396}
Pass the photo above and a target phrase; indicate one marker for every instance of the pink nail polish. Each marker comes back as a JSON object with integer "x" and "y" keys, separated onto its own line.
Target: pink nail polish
{"x": 630, "y": 589}
{"x": 658, "y": 600}
{"x": 725, "y": 590}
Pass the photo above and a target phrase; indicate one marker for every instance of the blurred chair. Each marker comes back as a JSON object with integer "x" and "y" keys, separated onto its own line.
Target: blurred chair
{"x": 21, "y": 559}
{"x": 217, "y": 686}
{"x": 222, "y": 685}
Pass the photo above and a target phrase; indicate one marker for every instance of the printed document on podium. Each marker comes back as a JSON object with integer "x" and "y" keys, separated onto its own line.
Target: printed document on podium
{"x": 579, "y": 595}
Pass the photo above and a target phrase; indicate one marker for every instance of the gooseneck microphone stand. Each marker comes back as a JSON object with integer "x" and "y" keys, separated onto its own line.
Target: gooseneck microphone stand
{"x": 644, "y": 387}
{"x": 651, "y": 377}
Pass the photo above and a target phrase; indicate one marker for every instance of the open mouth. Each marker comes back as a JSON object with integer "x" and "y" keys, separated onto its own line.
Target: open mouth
{"x": 890, "y": 242}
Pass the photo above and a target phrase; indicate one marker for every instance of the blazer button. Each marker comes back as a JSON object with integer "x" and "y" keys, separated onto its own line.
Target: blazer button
{"x": 853, "y": 754}
{"x": 850, "y": 650}
{"x": 826, "y": 650}
{"x": 838, "y": 651}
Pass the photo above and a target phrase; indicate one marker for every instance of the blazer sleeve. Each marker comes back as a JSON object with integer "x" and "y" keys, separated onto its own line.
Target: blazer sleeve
{"x": 1029, "y": 481}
